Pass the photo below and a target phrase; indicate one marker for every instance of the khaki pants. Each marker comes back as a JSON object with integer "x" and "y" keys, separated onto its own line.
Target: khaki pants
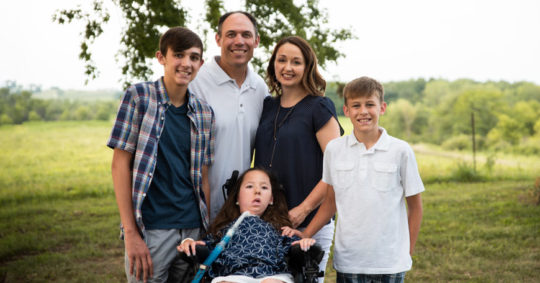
{"x": 168, "y": 265}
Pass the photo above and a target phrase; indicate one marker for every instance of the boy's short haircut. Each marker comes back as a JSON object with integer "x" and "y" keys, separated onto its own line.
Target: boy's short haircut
{"x": 179, "y": 39}
{"x": 363, "y": 87}
{"x": 248, "y": 15}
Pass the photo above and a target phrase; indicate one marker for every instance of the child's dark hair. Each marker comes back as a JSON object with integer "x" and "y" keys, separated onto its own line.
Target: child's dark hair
{"x": 276, "y": 214}
{"x": 363, "y": 87}
{"x": 179, "y": 39}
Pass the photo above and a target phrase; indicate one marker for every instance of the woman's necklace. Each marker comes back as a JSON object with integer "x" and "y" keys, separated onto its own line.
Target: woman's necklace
{"x": 277, "y": 126}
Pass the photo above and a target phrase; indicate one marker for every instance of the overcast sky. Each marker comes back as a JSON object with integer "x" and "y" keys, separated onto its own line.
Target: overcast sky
{"x": 396, "y": 40}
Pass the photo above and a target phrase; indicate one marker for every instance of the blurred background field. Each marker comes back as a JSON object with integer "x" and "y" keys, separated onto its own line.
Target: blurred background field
{"x": 59, "y": 221}
{"x": 58, "y": 216}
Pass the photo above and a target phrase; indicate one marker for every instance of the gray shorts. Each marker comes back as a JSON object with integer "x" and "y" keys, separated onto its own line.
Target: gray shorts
{"x": 168, "y": 265}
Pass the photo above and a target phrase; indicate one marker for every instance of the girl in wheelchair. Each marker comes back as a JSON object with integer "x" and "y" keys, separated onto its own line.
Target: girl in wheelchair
{"x": 257, "y": 251}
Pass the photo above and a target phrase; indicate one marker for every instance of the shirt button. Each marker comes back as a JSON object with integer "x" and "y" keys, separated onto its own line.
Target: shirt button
{"x": 162, "y": 117}
{"x": 241, "y": 105}
{"x": 150, "y": 174}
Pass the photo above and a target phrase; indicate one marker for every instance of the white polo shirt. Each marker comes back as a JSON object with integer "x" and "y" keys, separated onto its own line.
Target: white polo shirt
{"x": 372, "y": 233}
{"x": 237, "y": 112}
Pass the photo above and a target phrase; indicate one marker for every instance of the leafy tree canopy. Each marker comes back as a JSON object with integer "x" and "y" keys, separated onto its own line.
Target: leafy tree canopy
{"x": 146, "y": 19}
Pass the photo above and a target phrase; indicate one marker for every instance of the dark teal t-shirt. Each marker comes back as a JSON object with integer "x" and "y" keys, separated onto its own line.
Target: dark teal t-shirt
{"x": 170, "y": 202}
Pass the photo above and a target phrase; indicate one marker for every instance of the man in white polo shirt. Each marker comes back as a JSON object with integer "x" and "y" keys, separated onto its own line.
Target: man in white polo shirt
{"x": 236, "y": 94}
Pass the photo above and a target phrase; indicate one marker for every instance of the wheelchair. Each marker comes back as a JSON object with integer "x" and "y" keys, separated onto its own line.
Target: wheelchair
{"x": 304, "y": 266}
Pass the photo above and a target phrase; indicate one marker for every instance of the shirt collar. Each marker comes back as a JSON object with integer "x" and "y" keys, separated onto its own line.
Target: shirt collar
{"x": 163, "y": 97}
{"x": 383, "y": 143}
{"x": 221, "y": 77}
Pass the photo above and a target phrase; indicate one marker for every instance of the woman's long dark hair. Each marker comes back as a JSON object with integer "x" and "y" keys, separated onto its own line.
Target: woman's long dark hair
{"x": 276, "y": 214}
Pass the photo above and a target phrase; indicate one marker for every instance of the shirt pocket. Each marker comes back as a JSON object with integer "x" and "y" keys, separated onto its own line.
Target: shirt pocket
{"x": 344, "y": 174}
{"x": 385, "y": 177}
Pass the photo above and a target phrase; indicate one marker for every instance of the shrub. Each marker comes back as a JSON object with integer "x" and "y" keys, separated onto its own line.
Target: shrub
{"x": 465, "y": 173}
{"x": 5, "y": 119}
{"x": 530, "y": 146}
{"x": 460, "y": 142}
{"x": 34, "y": 116}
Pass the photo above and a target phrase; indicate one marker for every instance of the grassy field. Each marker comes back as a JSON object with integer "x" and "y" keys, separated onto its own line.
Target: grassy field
{"x": 59, "y": 221}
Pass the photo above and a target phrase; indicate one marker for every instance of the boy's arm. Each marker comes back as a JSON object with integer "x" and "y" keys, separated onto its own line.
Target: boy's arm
{"x": 324, "y": 135}
{"x": 136, "y": 249}
{"x": 206, "y": 186}
{"x": 415, "y": 212}
{"x": 324, "y": 214}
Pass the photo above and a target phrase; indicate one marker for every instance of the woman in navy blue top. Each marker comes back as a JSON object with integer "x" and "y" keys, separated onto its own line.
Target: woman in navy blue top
{"x": 294, "y": 129}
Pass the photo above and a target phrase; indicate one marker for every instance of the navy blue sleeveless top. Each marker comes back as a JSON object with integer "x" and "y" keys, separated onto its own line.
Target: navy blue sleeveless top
{"x": 294, "y": 156}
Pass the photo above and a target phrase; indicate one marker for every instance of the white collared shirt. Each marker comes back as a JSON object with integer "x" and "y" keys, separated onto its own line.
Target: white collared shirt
{"x": 370, "y": 185}
{"x": 237, "y": 111}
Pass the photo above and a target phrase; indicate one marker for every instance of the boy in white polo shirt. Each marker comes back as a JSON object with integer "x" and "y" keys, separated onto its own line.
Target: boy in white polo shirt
{"x": 370, "y": 176}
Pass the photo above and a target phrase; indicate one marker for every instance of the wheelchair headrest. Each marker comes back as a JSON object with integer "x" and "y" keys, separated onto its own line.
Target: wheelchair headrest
{"x": 227, "y": 188}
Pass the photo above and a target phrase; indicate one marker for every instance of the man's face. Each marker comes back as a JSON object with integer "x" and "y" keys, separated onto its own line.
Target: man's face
{"x": 237, "y": 40}
{"x": 181, "y": 67}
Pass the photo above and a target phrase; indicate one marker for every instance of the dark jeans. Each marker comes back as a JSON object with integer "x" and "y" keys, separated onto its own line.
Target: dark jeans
{"x": 370, "y": 278}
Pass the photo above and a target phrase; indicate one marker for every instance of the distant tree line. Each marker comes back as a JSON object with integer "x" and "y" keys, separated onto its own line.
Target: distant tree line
{"x": 18, "y": 106}
{"x": 435, "y": 111}
{"x": 507, "y": 115}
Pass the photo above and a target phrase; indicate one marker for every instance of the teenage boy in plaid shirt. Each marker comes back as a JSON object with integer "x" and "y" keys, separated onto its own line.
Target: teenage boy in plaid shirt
{"x": 163, "y": 143}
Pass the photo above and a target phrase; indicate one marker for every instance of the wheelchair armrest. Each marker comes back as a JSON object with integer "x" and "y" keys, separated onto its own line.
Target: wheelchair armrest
{"x": 201, "y": 253}
{"x": 315, "y": 254}
{"x": 305, "y": 265}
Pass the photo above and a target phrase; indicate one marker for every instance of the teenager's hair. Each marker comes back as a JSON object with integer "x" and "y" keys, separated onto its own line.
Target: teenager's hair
{"x": 363, "y": 87}
{"x": 248, "y": 15}
{"x": 312, "y": 80}
{"x": 276, "y": 214}
{"x": 179, "y": 39}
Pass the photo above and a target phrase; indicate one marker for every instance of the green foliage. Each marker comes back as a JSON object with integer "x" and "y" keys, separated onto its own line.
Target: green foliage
{"x": 526, "y": 91}
{"x": 34, "y": 116}
{"x": 331, "y": 92}
{"x": 18, "y": 106}
{"x": 5, "y": 119}
{"x": 438, "y": 111}
{"x": 507, "y": 129}
{"x": 411, "y": 90}
{"x": 465, "y": 172}
{"x": 399, "y": 118}
{"x": 146, "y": 19}
{"x": 530, "y": 146}
{"x": 459, "y": 142}
{"x": 526, "y": 113}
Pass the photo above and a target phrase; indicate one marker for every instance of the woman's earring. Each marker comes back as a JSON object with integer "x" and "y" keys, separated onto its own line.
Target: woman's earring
{"x": 271, "y": 203}
{"x": 236, "y": 203}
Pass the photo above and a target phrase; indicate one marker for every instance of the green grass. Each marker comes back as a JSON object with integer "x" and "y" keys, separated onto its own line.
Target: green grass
{"x": 481, "y": 232}
{"x": 58, "y": 217}
{"x": 59, "y": 221}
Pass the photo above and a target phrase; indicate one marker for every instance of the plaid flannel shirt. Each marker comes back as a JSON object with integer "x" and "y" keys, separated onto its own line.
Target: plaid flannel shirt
{"x": 139, "y": 123}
